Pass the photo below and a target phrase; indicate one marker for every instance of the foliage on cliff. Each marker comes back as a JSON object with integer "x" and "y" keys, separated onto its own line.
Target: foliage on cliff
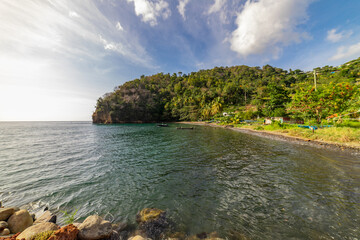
{"x": 254, "y": 91}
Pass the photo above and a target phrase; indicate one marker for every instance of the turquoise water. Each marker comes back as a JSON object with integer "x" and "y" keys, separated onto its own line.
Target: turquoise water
{"x": 208, "y": 179}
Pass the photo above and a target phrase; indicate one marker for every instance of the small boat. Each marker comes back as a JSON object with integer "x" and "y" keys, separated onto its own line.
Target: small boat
{"x": 162, "y": 125}
{"x": 185, "y": 128}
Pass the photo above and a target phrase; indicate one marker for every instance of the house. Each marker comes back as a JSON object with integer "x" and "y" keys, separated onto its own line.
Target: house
{"x": 283, "y": 120}
{"x": 225, "y": 114}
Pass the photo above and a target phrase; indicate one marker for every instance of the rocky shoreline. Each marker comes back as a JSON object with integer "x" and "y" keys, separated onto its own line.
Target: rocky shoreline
{"x": 152, "y": 224}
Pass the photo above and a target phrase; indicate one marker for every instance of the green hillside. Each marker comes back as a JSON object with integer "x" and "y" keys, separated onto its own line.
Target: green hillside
{"x": 248, "y": 91}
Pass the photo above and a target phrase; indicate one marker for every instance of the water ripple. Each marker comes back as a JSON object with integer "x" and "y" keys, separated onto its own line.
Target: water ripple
{"x": 208, "y": 179}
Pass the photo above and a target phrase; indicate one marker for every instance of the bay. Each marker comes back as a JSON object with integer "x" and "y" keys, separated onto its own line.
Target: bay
{"x": 207, "y": 179}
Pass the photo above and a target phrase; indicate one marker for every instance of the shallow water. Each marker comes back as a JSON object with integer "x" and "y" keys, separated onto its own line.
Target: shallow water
{"x": 208, "y": 179}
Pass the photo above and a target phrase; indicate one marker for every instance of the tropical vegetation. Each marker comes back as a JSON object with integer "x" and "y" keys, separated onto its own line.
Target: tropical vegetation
{"x": 243, "y": 92}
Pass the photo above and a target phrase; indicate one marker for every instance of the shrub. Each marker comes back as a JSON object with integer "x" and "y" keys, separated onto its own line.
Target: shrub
{"x": 69, "y": 217}
{"x": 43, "y": 235}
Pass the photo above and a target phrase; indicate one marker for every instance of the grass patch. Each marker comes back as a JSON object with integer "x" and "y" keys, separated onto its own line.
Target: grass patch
{"x": 340, "y": 134}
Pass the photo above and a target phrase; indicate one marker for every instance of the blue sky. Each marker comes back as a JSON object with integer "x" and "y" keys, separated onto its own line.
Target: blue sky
{"x": 58, "y": 57}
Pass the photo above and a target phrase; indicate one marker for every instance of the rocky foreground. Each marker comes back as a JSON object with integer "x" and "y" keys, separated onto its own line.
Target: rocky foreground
{"x": 152, "y": 223}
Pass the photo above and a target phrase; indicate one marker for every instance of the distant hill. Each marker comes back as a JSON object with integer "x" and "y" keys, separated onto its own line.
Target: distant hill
{"x": 264, "y": 91}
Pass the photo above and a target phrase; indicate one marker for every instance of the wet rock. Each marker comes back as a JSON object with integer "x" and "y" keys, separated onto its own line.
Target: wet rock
{"x": 177, "y": 235}
{"x": 119, "y": 232}
{"x": 148, "y": 214}
{"x": 202, "y": 235}
{"x": 123, "y": 235}
{"x": 32, "y": 231}
{"x": 5, "y": 213}
{"x": 153, "y": 222}
{"x": 118, "y": 227}
{"x": 114, "y": 235}
{"x": 3, "y": 225}
{"x": 193, "y": 237}
{"x": 213, "y": 235}
{"x": 94, "y": 228}
{"x": 68, "y": 232}
{"x": 19, "y": 221}
{"x": 4, "y": 232}
{"x": 235, "y": 235}
{"x": 47, "y": 216}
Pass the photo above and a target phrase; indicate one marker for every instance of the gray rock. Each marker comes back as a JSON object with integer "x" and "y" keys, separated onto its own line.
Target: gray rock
{"x": 118, "y": 227}
{"x": 4, "y": 232}
{"x": 94, "y": 228}
{"x": 5, "y": 213}
{"x": 3, "y": 225}
{"x": 36, "y": 229}
{"x": 47, "y": 216}
{"x": 19, "y": 221}
{"x": 138, "y": 237}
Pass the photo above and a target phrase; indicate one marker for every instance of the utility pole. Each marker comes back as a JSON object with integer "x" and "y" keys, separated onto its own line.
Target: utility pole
{"x": 315, "y": 79}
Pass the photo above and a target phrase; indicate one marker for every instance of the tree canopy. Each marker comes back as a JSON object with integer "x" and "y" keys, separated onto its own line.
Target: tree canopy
{"x": 266, "y": 91}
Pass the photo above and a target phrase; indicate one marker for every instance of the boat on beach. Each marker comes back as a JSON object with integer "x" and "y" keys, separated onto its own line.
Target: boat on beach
{"x": 185, "y": 128}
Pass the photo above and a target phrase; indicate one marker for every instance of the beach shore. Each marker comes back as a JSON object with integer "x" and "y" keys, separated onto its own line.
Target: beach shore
{"x": 284, "y": 137}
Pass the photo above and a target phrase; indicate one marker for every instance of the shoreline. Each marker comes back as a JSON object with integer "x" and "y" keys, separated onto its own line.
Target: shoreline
{"x": 283, "y": 137}
{"x": 151, "y": 224}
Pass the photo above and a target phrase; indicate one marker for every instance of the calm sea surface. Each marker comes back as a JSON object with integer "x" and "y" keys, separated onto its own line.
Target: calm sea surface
{"x": 208, "y": 179}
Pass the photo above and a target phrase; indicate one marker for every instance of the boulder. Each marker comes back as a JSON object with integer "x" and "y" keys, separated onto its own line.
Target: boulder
{"x": 19, "y": 221}
{"x": 148, "y": 214}
{"x": 68, "y": 232}
{"x": 36, "y": 229}
{"x": 47, "y": 216}
{"x": 137, "y": 237}
{"x": 94, "y": 228}
{"x": 153, "y": 222}
{"x": 3, "y": 225}
{"x": 5, "y": 213}
{"x": 76, "y": 224}
{"x": 5, "y": 231}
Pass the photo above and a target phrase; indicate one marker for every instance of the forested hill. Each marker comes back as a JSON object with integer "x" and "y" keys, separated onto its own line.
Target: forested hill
{"x": 250, "y": 91}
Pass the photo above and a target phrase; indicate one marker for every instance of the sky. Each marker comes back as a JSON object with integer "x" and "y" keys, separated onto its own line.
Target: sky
{"x": 57, "y": 57}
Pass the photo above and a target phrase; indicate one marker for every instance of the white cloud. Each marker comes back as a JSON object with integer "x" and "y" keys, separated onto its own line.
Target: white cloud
{"x": 119, "y": 27}
{"x": 334, "y": 36}
{"x": 53, "y": 48}
{"x": 216, "y": 7}
{"x": 150, "y": 11}
{"x": 68, "y": 28}
{"x": 265, "y": 26}
{"x": 347, "y": 52}
{"x": 73, "y": 14}
{"x": 181, "y": 7}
